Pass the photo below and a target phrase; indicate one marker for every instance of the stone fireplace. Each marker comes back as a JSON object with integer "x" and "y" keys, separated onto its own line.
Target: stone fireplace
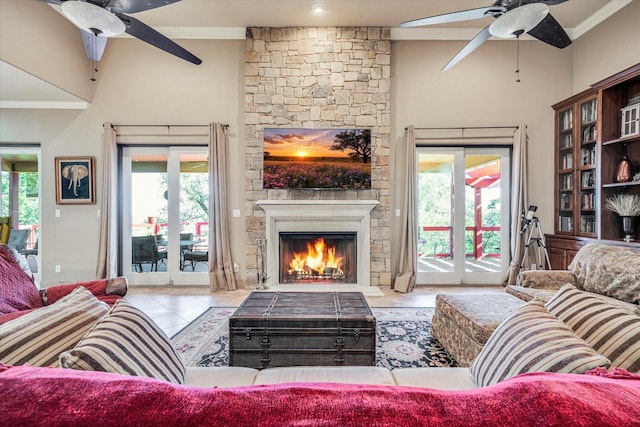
{"x": 319, "y": 78}
{"x": 296, "y": 226}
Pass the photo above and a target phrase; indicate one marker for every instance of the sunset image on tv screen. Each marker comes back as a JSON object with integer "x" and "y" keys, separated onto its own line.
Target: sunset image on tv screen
{"x": 317, "y": 158}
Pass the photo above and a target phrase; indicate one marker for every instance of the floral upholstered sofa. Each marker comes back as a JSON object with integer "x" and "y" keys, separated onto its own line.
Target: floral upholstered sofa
{"x": 608, "y": 272}
{"x": 463, "y": 323}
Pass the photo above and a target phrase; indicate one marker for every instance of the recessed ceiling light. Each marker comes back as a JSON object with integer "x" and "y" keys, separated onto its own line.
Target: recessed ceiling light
{"x": 317, "y": 8}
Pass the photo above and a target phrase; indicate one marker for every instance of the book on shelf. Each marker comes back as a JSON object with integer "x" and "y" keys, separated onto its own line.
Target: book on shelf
{"x": 566, "y": 182}
{"x": 589, "y": 111}
{"x": 565, "y": 223}
{"x": 589, "y": 134}
{"x": 587, "y": 179}
{"x": 587, "y": 200}
{"x": 588, "y": 223}
{"x": 567, "y": 161}
{"x": 566, "y": 120}
{"x": 588, "y": 156}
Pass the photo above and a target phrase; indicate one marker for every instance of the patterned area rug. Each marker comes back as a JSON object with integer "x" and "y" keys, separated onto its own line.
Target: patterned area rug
{"x": 403, "y": 339}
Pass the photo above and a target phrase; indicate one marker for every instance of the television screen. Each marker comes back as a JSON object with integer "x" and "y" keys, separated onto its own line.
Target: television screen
{"x": 317, "y": 158}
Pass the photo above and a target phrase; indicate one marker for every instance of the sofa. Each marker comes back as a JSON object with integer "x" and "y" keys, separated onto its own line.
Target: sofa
{"x": 82, "y": 361}
{"x": 66, "y": 397}
{"x": 610, "y": 275}
{"x": 20, "y": 292}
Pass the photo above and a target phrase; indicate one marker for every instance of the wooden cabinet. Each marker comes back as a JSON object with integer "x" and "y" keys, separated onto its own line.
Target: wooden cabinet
{"x": 561, "y": 250}
{"x": 588, "y": 150}
{"x": 575, "y": 165}
{"x": 614, "y": 94}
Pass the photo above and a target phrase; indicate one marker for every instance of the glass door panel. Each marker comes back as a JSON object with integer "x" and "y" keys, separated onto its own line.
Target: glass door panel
{"x": 438, "y": 258}
{"x": 20, "y": 184}
{"x": 471, "y": 247}
{"x": 165, "y": 220}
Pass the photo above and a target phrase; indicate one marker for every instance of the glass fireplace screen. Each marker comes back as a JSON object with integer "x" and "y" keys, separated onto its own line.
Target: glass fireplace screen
{"x": 325, "y": 257}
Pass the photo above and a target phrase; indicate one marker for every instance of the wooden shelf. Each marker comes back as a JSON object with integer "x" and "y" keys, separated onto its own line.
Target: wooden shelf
{"x": 603, "y": 149}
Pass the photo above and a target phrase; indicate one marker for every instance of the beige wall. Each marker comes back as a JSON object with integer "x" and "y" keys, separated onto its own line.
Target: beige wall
{"x": 481, "y": 91}
{"x": 610, "y": 47}
{"x": 138, "y": 84}
{"x": 43, "y": 43}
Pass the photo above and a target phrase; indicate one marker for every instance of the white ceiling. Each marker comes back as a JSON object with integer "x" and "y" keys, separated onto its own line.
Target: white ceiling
{"x": 211, "y": 19}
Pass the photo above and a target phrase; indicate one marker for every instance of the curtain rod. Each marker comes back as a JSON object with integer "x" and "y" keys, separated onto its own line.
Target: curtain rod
{"x": 163, "y": 126}
{"x": 467, "y": 127}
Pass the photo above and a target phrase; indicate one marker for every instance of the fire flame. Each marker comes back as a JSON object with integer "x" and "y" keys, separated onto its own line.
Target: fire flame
{"x": 318, "y": 257}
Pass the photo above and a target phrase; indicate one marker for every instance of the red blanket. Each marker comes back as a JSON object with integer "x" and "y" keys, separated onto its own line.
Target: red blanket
{"x": 56, "y": 397}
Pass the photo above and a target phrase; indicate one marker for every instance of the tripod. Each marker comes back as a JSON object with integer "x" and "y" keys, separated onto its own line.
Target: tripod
{"x": 536, "y": 236}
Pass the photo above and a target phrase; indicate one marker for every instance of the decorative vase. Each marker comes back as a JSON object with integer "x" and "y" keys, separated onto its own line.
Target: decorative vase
{"x": 629, "y": 227}
{"x": 624, "y": 172}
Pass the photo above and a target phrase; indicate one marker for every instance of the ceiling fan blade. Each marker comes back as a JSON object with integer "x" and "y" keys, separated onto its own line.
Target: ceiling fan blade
{"x": 133, "y": 6}
{"x": 147, "y": 34}
{"x": 475, "y": 43}
{"x": 463, "y": 15}
{"x": 550, "y": 32}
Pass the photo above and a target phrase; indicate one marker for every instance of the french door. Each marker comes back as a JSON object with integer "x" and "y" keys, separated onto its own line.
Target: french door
{"x": 165, "y": 221}
{"x": 20, "y": 182}
{"x": 463, "y": 215}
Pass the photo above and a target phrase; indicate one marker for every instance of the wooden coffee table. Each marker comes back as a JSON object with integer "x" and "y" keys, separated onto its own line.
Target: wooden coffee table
{"x": 272, "y": 329}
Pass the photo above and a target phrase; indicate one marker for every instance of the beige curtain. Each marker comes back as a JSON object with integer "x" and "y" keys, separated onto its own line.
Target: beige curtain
{"x": 520, "y": 202}
{"x": 107, "y": 241}
{"x": 220, "y": 262}
{"x": 407, "y": 266}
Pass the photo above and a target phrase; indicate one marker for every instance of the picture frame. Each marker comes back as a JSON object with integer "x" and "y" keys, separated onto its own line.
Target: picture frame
{"x": 75, "y": 180}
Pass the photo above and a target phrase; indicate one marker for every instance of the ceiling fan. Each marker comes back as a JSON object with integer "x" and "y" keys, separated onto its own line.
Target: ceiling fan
{"x": 513, "y": 17}
{"x": 100, "y": 19}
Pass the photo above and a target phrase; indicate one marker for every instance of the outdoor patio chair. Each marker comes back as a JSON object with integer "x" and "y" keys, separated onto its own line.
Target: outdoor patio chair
{"x": 194, "y": 257}
{"x": 19, "y": 238}
{"x": 144, "y": 250}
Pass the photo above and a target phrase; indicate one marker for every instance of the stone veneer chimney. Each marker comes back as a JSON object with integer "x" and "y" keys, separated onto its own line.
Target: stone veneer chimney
{"x": 319, "y": 78}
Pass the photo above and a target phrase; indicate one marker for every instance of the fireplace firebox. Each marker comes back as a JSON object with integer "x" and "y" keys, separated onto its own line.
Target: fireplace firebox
{"x": 327, "y": 257}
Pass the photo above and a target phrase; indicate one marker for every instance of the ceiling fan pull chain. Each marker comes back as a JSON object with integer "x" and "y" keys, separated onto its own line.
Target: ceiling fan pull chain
{"x": 94, "y": 62}
{"x": 518, "y": 59}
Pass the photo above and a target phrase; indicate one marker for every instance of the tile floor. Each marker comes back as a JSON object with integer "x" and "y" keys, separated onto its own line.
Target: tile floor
{"x": 174, "y": 307}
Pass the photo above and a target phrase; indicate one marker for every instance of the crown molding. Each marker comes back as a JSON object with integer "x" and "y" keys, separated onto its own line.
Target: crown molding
{"x": 605, "y": 12}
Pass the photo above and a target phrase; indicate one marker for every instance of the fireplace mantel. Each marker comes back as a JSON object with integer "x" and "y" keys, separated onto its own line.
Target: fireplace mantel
{"x": 319, "y": 216}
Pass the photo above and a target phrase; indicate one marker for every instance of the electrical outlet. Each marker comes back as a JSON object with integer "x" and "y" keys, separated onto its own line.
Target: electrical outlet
{"x": 236, "y": 267}
{"x": 58, "y": 268}
{"x": 57, "y": 213}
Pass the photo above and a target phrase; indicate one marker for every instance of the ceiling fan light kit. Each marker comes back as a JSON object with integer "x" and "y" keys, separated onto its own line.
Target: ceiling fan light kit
{"x": 100, "y": 19}
{"x": 513, "y": 18}
{"x": 519, "y": 20}
{"x": 92, "y": 18}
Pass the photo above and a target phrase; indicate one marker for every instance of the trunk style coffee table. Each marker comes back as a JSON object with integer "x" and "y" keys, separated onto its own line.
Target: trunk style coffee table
{"x": 272, "y": 329}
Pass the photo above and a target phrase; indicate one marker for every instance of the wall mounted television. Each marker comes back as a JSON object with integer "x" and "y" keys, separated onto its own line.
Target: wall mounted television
{"x": 317, "y": 158}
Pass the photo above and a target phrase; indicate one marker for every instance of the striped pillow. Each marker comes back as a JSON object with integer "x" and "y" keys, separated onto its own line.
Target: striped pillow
{"x": 127, "y": 342}
{"x": 612, "y": 331}
{"x": 533, "y": 340}
{"x": 37, "y": 338}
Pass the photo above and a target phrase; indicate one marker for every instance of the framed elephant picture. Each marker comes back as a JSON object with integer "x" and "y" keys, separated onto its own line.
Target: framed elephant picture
{"x": 75, "y": 180}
